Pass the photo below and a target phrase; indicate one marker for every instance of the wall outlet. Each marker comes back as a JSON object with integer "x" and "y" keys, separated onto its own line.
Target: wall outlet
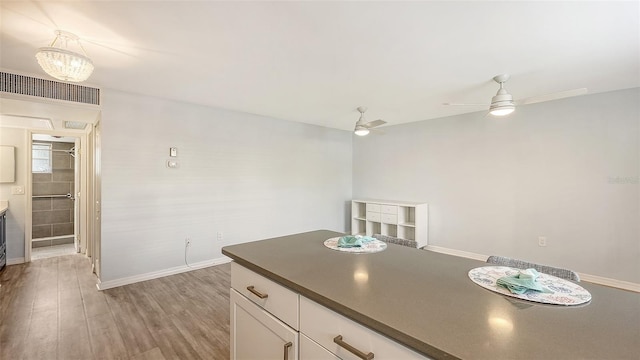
{"x": 17, "y": 190}
{"x": 187, "y": 242}
{"x": 542, "y": 241}
{"x": 220, "y": 236}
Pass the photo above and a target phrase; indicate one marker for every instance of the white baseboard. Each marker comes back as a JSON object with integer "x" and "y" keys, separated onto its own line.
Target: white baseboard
{"x": 454, "y": 252}
{"x": 620, "y": 284}
{"x": 103, "y": 285}
{"x": 15, "y": 261}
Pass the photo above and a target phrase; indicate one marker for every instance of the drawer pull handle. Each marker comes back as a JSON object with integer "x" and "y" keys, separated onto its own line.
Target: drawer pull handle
{"x": 286, "y": 350}
{"x": 257, "y": 293}
{"x": 338, "y": 340}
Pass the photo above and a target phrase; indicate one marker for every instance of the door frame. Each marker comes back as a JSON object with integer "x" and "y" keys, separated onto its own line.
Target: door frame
{"x": 95, "y": 197}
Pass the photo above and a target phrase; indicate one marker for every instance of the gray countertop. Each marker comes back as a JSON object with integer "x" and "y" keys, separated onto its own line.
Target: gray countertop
{"x": 426, "y": 301}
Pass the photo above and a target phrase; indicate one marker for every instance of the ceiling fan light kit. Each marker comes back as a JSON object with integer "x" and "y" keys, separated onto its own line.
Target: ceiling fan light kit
{"x": 362, "y": 126}
{"x": 503, "y": 104}
{"x": 361, "y": 130}
{"x": 62, "y": 63}
{"x": 501, "y": 107}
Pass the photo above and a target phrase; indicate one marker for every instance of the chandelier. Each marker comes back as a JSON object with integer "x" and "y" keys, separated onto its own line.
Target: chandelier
{"x": 62, "y": 63}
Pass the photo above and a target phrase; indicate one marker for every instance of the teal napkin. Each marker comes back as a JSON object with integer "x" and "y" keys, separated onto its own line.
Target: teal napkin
{"x": 350, "y": 241}
{"x": 522, "y": 282}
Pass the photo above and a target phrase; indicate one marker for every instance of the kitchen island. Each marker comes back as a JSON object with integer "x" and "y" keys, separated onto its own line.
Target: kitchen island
{"x": 426, "y": 302}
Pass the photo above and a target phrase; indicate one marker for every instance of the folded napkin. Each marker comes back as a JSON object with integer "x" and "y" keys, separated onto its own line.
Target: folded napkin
{"x": 353, "y": 241}
{"x": 522, "y": 282}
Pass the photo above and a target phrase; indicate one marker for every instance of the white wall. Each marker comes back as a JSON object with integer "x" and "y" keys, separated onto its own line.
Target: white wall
{"x": 17, "y": 203}
{"x": 248, "y": 176}
{"x": 565, "y": 169}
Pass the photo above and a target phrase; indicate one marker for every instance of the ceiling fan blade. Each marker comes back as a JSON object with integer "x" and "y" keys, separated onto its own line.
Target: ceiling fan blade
{"x": 459, "y": 104}
{"x": 374, "y": 123}
{"x": 552, "y": 96}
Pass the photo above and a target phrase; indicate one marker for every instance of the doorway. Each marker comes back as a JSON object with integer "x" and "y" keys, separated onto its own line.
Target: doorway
{"x": 55, "y": 169}
{"x": 59, "y": 110}
{"x": 58, "y": 193}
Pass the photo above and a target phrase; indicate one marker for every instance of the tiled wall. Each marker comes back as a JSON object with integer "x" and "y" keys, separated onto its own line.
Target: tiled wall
{"x": 54, "y": 216}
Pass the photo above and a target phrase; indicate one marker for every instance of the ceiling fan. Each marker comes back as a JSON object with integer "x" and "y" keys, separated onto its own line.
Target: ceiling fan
{"x": 503, "y": 104}
{"x": 362, "y": 126}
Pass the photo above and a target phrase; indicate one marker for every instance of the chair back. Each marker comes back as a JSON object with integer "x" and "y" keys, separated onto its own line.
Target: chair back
{"x": 545, "y": 269}
{"x": 395, "y": 240}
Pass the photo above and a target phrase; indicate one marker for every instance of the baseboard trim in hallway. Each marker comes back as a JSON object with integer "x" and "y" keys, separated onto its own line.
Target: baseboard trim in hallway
{"x": 103, "y": 285}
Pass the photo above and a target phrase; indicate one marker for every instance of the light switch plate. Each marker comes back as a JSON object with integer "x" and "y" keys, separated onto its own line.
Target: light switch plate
{"x": 173, "y": 152}
{"x": 17, "y": 190}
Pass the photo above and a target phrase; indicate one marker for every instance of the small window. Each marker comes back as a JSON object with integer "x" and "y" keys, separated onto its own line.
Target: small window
{"x": 41, "y": 158}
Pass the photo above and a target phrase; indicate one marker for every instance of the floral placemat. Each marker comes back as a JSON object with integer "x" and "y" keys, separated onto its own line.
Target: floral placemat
{"x": 564, "y": 292}
{"x": 367, "y": 247}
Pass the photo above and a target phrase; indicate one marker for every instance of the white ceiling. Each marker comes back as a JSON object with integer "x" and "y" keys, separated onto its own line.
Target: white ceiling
{"x": 315, "y": 62}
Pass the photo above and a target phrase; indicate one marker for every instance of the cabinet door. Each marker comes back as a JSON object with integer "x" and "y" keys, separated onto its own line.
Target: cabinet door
{"x": 256, "y": 334}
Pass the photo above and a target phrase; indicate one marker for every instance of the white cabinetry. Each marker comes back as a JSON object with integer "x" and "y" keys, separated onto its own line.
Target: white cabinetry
{"x": 405, "y": 220}
{"x": 264, "y": 317}
{"x": 345, "y": 338}
{"x": 273, "y": 297}
{"x": 310, "y": 350}
{"x": 256, "y": 334}
{"x": 259, "y": 330}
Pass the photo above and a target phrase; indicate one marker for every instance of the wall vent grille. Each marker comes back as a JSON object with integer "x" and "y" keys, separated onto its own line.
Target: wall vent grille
{"x": 27, "y": 85}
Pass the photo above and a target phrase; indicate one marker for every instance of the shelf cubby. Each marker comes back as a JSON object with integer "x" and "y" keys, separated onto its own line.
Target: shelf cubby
{"x": 405, "y": 220}
{"x": 358, "y": 227}
{"x": 373, "y": 228}
{"x": 390, "y": 230}
{"x": 359, "y": 210}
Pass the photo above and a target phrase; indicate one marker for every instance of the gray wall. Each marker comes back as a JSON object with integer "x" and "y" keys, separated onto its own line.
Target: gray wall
{"x": 248, "y": 176}
{"x": 565, "y": 169}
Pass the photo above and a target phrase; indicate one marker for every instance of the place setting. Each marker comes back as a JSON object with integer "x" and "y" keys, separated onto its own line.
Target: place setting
{"x": 530, "y": 285}
{"x": 358, "y": 244}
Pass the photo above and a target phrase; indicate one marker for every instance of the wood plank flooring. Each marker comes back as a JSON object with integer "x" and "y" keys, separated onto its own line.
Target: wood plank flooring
{"x": 51, "y": 309}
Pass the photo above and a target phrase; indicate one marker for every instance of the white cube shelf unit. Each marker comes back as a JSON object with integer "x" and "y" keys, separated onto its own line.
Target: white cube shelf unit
{"x": 405, "y": 220}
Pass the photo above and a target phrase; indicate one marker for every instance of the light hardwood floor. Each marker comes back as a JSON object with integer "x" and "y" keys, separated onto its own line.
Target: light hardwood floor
{"x": 51, "y": 309}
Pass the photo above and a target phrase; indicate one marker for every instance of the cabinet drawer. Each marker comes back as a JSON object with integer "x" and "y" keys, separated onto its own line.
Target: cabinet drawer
{"x": 389, "y": 209}
{"x": 373, "y": 207}
{"x": 389, "y": 219}
{"x": 310, "y": 350}
{"x": 280, "y": 301}
{"x": 373, "y": 216}
{"x": 323, "y": 326}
